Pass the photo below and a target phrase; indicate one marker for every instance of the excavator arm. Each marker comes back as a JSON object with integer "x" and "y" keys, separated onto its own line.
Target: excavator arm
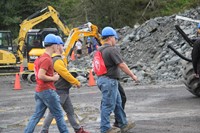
{"x": 87, "y": 30}
{"x": 35, "y": 19}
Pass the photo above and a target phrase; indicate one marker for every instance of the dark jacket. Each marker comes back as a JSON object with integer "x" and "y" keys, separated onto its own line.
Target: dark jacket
{"x": 66, "y": 79}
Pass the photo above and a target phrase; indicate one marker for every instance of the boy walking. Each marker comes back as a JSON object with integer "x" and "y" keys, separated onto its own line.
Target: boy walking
{"x": 45, "y": 94}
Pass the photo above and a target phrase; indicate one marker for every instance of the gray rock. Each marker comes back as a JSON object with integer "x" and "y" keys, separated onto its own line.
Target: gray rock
{"x": 145, "y": 50}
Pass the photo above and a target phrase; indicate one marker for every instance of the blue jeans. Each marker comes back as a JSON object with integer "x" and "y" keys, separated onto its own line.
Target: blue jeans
{"x": 68, "y": 108}
{"x": 111, "y": 102}
{"x": 47, "y": 99}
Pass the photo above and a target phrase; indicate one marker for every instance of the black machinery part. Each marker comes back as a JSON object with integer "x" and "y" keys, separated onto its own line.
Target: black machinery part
{"x": 190, "y": 42}
{"x": 179, "y": 54}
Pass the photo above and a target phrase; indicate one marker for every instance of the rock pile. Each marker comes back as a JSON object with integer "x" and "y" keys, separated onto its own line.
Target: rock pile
{"x": 145, "y": 49}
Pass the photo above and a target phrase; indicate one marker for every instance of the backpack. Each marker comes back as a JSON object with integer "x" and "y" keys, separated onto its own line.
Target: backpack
{"x": 98, "y": 64}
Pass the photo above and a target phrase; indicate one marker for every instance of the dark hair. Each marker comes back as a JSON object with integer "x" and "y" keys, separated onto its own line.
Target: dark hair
{"x": 80, "y": 40}
{"x": 48, "y": 44}
{"x": 105, "y": 37}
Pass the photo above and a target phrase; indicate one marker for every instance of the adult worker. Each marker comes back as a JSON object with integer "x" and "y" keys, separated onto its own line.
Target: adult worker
{"x": 108, "y": 84}
{"x": 63, "y": 85}
{"x": 45, "y": 94}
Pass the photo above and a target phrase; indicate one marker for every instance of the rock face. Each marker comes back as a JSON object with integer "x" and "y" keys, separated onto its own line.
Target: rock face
{"x": 145, "y": 49}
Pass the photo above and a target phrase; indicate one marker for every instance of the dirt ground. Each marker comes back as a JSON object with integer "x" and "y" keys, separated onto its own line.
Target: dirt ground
{"x": 162, "y": 108}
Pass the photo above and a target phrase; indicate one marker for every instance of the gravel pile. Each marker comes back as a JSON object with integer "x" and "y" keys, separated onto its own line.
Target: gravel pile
{"x": 145, "y": 49}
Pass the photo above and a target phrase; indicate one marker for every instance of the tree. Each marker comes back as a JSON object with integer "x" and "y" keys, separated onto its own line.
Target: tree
{"x": 8, "y": 15}
{"x": 116, "y": 13}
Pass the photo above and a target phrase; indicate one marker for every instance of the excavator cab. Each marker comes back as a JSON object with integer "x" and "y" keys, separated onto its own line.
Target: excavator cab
{"x": 6, "y": 49}
{"x": 34, "y": 42}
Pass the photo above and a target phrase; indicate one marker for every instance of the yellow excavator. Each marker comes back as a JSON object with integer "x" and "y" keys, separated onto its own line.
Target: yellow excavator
{"x": 86, "y": 30}
{"x": 8, "y": 53}
{"x": 35, "y": 19}
{"x": 12, "y": 59}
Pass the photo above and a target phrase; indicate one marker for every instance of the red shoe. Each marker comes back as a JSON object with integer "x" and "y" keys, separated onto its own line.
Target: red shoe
{"x": 81, "y": 130}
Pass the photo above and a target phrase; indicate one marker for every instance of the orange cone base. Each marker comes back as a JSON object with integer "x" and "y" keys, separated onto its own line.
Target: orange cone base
{"x": 17, "y": 85}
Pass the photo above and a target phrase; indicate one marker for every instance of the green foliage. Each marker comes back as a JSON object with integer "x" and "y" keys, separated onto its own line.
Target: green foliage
{"x": 116, "y": 13}
{"x": 174, "y": 6}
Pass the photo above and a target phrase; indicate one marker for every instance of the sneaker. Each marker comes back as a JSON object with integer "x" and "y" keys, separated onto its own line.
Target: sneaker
{"x": 114, "y": 130}
{"x": 115, "y": 125}
{"x": 81, "y": 130}
{"x": 44, "y": 131}
{"x": 127, "y": 127}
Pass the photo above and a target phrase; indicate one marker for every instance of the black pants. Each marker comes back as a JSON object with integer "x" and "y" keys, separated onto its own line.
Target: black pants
{"x": 123, "y": 97}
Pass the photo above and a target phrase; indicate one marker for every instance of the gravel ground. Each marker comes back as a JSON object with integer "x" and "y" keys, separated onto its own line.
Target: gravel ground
{"x": 166, "y": 107}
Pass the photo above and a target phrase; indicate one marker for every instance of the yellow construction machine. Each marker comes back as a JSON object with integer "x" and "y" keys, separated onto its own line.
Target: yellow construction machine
{"x": 12, "y": 59}
{"x": 35, "y": 19}
{"x": 86, "y": 30}
{"x": 31, "y": 40}
{"x": 8, "y": 53}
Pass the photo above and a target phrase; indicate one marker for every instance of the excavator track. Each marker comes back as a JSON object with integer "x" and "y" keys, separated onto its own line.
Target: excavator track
{"x": 9, "y": 70}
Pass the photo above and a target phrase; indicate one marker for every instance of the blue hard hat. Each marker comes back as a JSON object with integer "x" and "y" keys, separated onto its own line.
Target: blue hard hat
{"x": 109, "y": 31}
{"x": 199, "y": 25}
{"x": 59, "y": 40}
{"x": 50, "y": 39}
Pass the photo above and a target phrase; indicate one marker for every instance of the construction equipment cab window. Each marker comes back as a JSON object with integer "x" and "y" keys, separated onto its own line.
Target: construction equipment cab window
{"x": 34, "y": 41}
{"x": 5, "y": 39}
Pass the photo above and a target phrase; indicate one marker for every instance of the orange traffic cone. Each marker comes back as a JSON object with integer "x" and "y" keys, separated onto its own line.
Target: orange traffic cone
{"x": 17, "y": 82}
{"x": 91, "y": 81}
{"x": 73, "y": 56}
